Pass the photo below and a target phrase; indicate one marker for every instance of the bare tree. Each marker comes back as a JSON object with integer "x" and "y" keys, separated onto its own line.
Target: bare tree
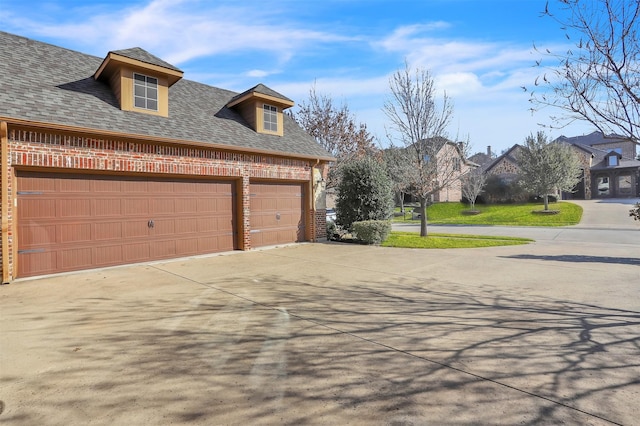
{"x": 335, "y": 128}
{"x": 395, "y": 160}
{"x": 597, "y": 79}
{"x": 472, "y": 185}
{"x": 420, "y": 124}
{"x": 545, "y": 167}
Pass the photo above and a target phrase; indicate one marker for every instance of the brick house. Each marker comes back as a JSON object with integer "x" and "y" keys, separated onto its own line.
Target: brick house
{"x": 455, "y": 164}
{"x": 609, "y": 165}
{"x": 614, "y": 170}
{"x": 117, "y": 160}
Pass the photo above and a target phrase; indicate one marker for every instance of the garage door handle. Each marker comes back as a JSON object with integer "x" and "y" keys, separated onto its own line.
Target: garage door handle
{"x": 150, "y": 224}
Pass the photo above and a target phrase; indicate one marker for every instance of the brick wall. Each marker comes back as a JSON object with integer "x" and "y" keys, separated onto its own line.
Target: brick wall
{"x": 51, "y": 151}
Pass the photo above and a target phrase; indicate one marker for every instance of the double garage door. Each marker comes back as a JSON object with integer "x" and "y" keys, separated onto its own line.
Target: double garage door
{"x": 73, "y": 222}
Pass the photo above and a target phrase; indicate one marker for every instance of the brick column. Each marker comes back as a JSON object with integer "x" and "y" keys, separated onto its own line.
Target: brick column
{"x": 246, "y": 212}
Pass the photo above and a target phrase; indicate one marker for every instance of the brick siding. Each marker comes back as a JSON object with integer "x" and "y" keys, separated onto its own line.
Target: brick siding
{"x": 65, "y": 152}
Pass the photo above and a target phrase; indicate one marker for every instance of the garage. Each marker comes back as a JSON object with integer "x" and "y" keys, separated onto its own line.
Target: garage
{"x": 277, "y": 213}
{"x": 70, "y": 222}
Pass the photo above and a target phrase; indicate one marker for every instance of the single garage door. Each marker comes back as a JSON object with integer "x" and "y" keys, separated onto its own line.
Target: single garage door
{"x": 277, "y": 213}
{"x": 73, "y": 222}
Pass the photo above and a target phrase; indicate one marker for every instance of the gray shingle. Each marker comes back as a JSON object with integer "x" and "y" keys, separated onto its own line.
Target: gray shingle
{"x": 46, "y": 83}
{"x": 144, "y": 56}
{"x": 261, "y": 88}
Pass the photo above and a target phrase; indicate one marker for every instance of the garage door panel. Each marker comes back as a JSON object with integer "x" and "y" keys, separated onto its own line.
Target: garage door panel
{"x": 277, "y": 213}
{"x": 108, "y": 255}
{"x": 134, "y": 186}
{"x": 37, "y": 184}
{"x": 135, "y": 229}
{"x": 37, "y": 263}
{"x": 186, "y": 225}
{"x": 136, "y": 252}
{"x": 36, "y": 234}
{"x": 73, "y": 207}
{"x": 163, "y": 227}
{"x": 74, "y": 258}
{"x": 162, "y": 206}
{"x": 84, "y": 221}
{"x": 74, "y": 185}
{"x": 74, "y": 232}
{"x": 162, "y": 249}
{"x": 224, "y": 224}
{"x": 135, "y": 206}
{"x": 106, "y": 207}
{"x": 187, "y": 206}
{"x": 106, "y": 185}
{"x": 31, "y": 208}
{"x": 108, "y": 231}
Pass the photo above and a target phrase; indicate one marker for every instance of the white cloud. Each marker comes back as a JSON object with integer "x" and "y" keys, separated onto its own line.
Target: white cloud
{"x": 258, "y": 73}
{"x": 179, "y": 31}
{"x": 459, "y": 84}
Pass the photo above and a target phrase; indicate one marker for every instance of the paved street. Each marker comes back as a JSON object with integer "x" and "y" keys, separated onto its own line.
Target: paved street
{"x": 544, "y": 333}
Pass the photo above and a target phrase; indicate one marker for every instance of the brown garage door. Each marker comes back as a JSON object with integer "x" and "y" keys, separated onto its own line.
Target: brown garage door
{"x": 73, "y": 222}
{"x": 277, "y": 213}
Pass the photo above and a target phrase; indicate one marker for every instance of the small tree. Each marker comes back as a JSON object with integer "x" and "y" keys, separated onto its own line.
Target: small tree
{"x": 396, "y": 162}
{"x": 420, "y": 124}
{"x": 335, "y": 128}
{"x": 472, "y": 185}
{"x": 364, "y": 193}
{"x": 545, "y": 167}
{"x": 635, "y": 212}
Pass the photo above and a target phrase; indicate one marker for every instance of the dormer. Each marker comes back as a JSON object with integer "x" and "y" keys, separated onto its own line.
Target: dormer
{"x": 139, "y": 80}
{"x": 262, "y": 108}
{"x": 613, "y": 158}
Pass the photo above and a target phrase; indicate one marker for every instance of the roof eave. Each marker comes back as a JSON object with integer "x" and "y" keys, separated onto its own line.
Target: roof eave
{"x": 113, "y": 60}
{"x": 157, "y": 139}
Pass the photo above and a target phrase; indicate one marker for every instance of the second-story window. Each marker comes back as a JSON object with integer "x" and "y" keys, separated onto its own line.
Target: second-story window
{"x": 270, "y": 118}
{"x": 145, "y": 92}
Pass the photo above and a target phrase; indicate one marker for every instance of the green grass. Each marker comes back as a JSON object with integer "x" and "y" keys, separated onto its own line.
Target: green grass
{"x": 504, "y": 214}
{"x": 449, "y": 241}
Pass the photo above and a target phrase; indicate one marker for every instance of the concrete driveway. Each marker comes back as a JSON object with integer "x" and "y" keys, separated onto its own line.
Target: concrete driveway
{"x": 546, "y": 333}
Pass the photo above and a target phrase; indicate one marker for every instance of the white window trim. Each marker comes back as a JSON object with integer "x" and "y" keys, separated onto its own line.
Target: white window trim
{"x": 147, "y": 85}
{"x": 272, "y": 112}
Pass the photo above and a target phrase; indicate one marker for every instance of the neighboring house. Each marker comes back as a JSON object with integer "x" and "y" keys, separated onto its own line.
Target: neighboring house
{"x": 506, "y": 165}
{"x": 609, "y": 164}
{"x": 453, "y": 162}
{"x": 481, "y": 158}
{"x": 614, "y": 171}
{"x": 451, "y": 165}
{"x": 116, "y": 160}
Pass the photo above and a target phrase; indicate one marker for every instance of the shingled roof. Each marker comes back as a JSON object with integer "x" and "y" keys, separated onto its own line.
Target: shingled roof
{"x": 48, "y": 84}
{"x": 144, "y": 56}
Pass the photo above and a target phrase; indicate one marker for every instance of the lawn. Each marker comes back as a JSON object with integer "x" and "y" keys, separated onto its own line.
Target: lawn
{"x": 504, "y": 214}
{"x": 448, "y": 241}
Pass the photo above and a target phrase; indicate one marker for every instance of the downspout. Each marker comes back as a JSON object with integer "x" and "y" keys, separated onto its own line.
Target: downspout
{"x": 4, "y": 189}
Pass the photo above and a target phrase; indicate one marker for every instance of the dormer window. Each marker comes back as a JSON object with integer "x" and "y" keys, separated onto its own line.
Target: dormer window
{"x": 139, "y": 80}
{"x": 613, "y": 160}
{"x": 262, "y": 108}
{"x": 145, "y": 92}
{"x": 270, "y": 119}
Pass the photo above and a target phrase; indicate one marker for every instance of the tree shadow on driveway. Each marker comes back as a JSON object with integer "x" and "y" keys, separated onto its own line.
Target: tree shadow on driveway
{"x": 578, "y": 258}
{"x": 266, "y": 349}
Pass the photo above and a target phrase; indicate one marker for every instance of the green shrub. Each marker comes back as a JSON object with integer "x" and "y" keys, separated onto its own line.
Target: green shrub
{"x": 372, "y": 231}
{"x": 364, "y": 193}
{"x": 332, "y": 230}
{"x": 500, "y": 191}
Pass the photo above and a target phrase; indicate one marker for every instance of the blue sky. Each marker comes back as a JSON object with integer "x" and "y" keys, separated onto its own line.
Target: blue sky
{"x": 479, "y": 51}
